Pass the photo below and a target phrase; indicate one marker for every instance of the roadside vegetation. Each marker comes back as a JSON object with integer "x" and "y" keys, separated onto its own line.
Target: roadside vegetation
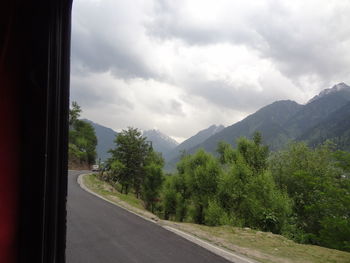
{"x": 262, "y": 246}
{"x": 82, "y": 140}
{"x": 299, "y": 192}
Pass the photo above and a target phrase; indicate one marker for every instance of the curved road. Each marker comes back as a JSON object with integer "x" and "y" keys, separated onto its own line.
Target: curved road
{"x": 98, "y": 231}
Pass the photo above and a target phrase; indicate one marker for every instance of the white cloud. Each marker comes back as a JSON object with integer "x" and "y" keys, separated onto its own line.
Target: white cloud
{"x": 181, "y": 66}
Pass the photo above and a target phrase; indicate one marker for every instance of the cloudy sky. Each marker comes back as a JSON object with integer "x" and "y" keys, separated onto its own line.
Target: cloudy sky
{"x": 181, "y": 65}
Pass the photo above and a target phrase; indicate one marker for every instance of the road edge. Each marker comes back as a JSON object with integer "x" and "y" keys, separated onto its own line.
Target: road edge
{"x": 222, "y": 252}
{"x": 84, "y": 187}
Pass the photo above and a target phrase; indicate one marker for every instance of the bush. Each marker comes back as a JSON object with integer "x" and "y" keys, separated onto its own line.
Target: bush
{"x": 335, "y": 233}
{"x": 265, "y": 207}
{"x": 214, "y": 214}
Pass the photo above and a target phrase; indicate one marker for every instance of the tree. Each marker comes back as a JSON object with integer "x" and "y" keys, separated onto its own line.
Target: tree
{"x": 82, "y": 138}
{"x": 169, "y": 200}
{"x": 254, "y": 153}
{"x": 227, "y": 154}
{"x": 200, "y": 172}
{"x": 151, "y": 185}
{"x": 74, "y": 113}
{"x": 132, "y": 151}
{"x": 247, "y": 192}
{"x": 316, "y": 181}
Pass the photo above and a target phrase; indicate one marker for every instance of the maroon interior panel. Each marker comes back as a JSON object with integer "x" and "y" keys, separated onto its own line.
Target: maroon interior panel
{"x": 9, "y": 172}
{"x": 9, "y": 142}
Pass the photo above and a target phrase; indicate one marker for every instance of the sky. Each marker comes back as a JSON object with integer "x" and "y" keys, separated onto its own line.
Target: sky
{"x": 181, "y": 66}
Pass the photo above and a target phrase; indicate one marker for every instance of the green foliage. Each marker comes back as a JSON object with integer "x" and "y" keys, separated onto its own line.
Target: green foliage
{"x": 299, "y": 192}
{"x": 254, "y": 153}
{"x": 82, "y": 138}
{"x": 247, "y": 192}
{"x": 343, "y": 161}
{"x": 74, "y": 113}
{"x": 116, "y": 171}
{"x": 131, "y": 150}
{"x": 231, "y": 186}
{"x": 226, "y": 153}
{"x": 265, "y": 207}
{"x": 215, "y": 215}
{"x": 135, "y": 165}
{"x": 316, "y": 181}
{"x": 200, "y": 172}
{"x": 335, "y": 232}
{"x": 152, "y": 184}
{"x": 235, "y": 189}
{"x": 169, "y": 197}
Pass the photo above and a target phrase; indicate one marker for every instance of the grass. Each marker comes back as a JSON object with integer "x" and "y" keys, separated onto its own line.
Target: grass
{"x": 266, "y": 247}
{"x": 262, "y": 246}
{"x": 107, "y": 191}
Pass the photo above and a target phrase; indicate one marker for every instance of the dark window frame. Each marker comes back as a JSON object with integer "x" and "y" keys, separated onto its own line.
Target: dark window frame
{"x": 36, "y": 53}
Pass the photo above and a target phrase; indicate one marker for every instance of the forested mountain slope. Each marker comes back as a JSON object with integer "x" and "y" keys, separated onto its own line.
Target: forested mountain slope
{"x": 325, "y": 116}
{"x": 161, "y": 143}
{"x": 193, "y": 141}
{"x": 105, "y": 137}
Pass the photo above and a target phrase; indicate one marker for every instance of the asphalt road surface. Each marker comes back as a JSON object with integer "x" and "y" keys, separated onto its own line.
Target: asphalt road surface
{"x": 98, "y": 231}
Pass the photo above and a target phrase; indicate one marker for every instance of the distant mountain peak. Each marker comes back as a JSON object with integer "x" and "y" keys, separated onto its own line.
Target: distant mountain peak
{"x": 105, "y": 139}
{"x": 158, "y": 133}
{"x": 338, "y": 87}
{"x": 216, "y": 128}
{"x": 161, "y": 142}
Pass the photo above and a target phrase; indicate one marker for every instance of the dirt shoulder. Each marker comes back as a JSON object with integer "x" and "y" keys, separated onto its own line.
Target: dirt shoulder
{"x": 245, "y": 242}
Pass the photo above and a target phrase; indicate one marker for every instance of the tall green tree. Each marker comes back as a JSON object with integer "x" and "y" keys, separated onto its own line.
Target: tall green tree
{"x": 254, "y": 153}
{"x": 246, "y": 190}
{"x": 316, "y": 180}
{"x": 131, "y": 151}
{"x": 82, "y": 138}
{"x": 200, "y": 172}
{"x": 151, "y": 185}
{"x": 153, "y": 179}
{"x": 74, "y": 113}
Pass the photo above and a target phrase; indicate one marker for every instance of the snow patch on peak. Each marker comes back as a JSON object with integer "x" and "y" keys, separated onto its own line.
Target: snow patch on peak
{"x": 217, "y": 128}
{"x": 156, "y": 133}
{"x": 325, "y": 92}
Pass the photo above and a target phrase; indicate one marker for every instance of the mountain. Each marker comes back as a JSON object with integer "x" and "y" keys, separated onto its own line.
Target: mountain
{"x": 335, "y": 127}
{"x": 268, "y": 120}
{"x": 318, "y": 109}
{"x": 283, "y": 121}
{"x": 161, "y": 142}
{"x": 105, "y": 139}
{"x": 200, "y": 137}
{"x": 324, "y": 116}
{"x": 334, "y": 89}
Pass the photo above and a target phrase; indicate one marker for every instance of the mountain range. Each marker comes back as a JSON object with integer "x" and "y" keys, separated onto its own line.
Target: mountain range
{"x": 105, "y": 140}
{"x": 160, "y": 142}
{"x": 325, "y": 116}
{"x": 106, "y": 136}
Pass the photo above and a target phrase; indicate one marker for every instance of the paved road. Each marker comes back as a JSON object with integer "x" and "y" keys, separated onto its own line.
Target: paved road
{"x": 98, "y": 231}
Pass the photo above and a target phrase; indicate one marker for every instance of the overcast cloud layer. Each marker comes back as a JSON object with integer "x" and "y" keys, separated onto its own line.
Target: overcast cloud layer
{"x": 180, "y": 66}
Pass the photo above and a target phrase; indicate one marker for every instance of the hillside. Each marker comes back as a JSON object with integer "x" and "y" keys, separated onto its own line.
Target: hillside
{"x": 323, "y": 117}
{"x": 318, "y": 109}
{"x": 161, "y": 142}
{"x": 105, "y": 137}
{"x": 200, "y": 137}
{"x": 268, "y": 120}
{"x": 336, "y": 128}
{"x": 105, "y": 140}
